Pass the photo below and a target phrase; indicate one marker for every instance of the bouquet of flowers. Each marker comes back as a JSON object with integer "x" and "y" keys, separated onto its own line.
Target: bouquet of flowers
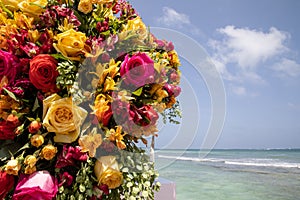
{"x": 82, "y": 85}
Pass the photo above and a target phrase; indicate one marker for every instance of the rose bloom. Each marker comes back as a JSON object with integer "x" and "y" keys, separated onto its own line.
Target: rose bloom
{"x": 32, "y": 7}
{"x": 43, "y": 72}
{"x": 13, "y": 167}
{"x": 37, "y": 140}
{"x": 30, "y": 160}
{"x": 48, "y": 152}
{"x": 9, "y": 66}
{"x": 71, "y": 44}
{"x": 6, "y": 183}
{"x": 108, "y": 172}
{"x": 85, "y": 6}
{"x": 38, "y": 186}
{"x": 137, "y": 70}
{"x": 143, "y": 116}
{"x": 63, "y": 118}
{"x": 7, "y": 130}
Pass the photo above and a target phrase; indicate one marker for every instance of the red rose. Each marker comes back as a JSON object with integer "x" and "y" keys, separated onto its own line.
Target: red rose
{"x": 6, "y": 183}
{"x": 143, "y": 116}
{"x": 7, "y": 130}
{"x": 43, "y": 72}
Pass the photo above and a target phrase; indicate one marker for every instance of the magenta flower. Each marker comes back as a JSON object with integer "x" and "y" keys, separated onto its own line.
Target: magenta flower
{"x": 37, "y": 186}
{"x": 65, "y": 179}
{"x": 137, "y": 70}
{"x": 9, "y": 66}
{"x": 172, "y": 90}
{"x": 69, "y": 156}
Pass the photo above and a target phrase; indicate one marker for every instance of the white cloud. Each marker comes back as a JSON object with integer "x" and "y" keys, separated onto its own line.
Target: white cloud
{"x": 172, "y": 18}
{"x": 248, "y": 48}
{"x": 241, "y": 53}
{"x": 239, "y": 90}
{"x": 287, "y": 67}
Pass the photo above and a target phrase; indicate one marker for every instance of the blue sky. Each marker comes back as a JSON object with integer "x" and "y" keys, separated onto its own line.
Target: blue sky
{"x": 255, "y": 48}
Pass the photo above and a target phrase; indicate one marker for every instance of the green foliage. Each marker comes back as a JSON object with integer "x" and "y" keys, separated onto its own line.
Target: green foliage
{"x": 172, "y": 115}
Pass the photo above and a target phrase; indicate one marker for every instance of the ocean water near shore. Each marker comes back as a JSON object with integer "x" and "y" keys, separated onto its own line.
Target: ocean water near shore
{"x": 232, "y": 174}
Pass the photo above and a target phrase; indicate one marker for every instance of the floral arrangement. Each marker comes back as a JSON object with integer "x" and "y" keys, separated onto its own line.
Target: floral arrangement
{"x": 82, "y": 85}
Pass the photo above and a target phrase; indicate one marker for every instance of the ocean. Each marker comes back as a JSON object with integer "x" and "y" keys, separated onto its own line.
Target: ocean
{"x": 232, "y": 174}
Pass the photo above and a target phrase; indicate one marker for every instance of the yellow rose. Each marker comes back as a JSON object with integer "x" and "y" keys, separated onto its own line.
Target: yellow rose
{"x": 85, "y": 6}
{"x": 29, "y": 170}
{"x": 48, "y": 152}
{"x": 63, "y": 118}
{"x": 37, "y": 140}
{"x": 13, "y": 167}
{"x": 30, "y": 160}
{"x": 11, "y": 4}
{"x": 107, "y": 172}
{"x": 33, "y": 7}
{"x": 71, "y": 44}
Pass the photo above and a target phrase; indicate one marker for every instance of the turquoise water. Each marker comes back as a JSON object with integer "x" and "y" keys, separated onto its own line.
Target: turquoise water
{"x": 232, "y": 174}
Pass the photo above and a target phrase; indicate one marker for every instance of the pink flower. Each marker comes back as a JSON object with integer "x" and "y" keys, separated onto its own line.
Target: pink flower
{"x": 137, "y": 70}
{"x": 172, "y": 90}
{"x": 8, "y": 66}
{"x": 37, "y": 186}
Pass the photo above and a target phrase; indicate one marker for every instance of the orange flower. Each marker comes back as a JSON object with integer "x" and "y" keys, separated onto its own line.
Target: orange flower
{"x": 101, "y": 106}
{"x": 90, "y": 143}
{"x": 118, "y": 137}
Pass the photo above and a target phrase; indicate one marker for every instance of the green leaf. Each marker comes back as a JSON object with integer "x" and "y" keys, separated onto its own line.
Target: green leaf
{"x": 36, "y": 105}
{"x": 58, "y": 56}
{"x": 12, "y": 95}
{"x": 138, "y": 92}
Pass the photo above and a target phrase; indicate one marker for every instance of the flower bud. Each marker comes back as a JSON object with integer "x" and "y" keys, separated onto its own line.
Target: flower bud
{"x": 37, "y": 140}
{"x": 34, "y": 126}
